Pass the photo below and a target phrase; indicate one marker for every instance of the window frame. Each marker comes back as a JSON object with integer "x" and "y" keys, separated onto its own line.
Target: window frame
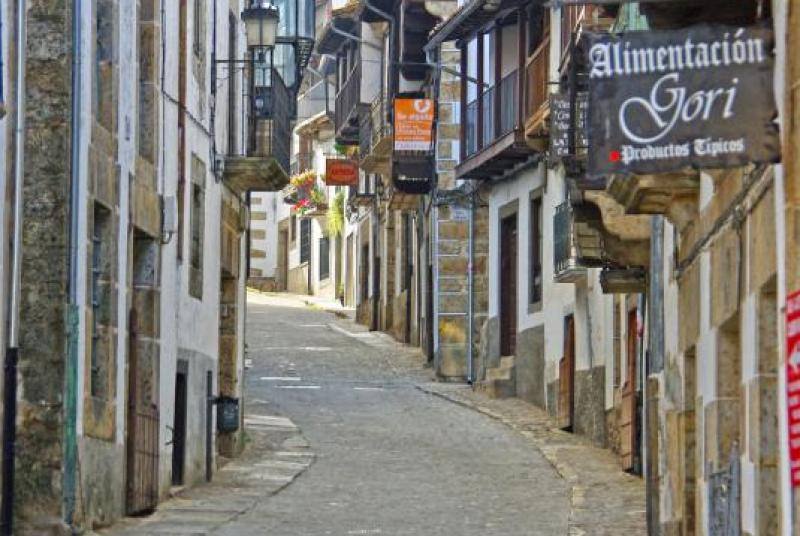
{"x": 536, "y": 249}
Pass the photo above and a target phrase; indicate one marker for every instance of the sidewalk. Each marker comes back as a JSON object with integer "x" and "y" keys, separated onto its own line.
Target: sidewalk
{"x": 604, "y": 500}
{"x": 275, "y": 456}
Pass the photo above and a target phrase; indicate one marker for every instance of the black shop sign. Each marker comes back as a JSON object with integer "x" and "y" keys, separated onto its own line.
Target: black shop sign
{"x": 561, "y": 125}
{"x": 662, "y": 101}
{"x": 413, "y": 176}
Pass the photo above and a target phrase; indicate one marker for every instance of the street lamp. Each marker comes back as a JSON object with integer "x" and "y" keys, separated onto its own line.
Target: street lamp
{"x": 261, "y": 24}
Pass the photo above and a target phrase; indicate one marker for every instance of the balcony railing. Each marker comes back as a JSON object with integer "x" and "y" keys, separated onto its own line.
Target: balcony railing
{"x": 576, "y": 246}
{"x": 262, "y": 163}
{"x": 536, "y": 81}
{"x": 269, "y": 121}
{"x": 494, "y": 127}
{"x": 347, "y": 101}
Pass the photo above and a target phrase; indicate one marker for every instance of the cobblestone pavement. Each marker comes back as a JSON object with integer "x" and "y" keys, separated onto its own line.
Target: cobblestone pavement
{"x": 351, "y": 436}
{"x": 603, "y": 499}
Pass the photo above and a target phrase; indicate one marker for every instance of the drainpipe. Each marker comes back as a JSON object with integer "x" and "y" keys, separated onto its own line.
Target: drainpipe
{"x": 71, "y": 369}
{"x": 12, "y": 350}
{"x": 470, "y": 287}
{"x": 2, "y": 70}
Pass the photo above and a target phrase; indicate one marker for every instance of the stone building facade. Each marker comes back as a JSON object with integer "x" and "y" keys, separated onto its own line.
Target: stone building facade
{"x": 132, "y": 305}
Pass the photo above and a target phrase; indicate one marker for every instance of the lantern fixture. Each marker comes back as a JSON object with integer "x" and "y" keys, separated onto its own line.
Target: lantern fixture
{"x": 261, "y": 24}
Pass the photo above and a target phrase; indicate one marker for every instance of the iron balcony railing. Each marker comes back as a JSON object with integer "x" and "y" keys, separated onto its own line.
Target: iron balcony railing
{"x": 347, "y": 99}
{"x": 576, "y": 245}
{"x": 267, "y": 111}
{"x": 374, "y": 126}
{"x": 494, "y": 126}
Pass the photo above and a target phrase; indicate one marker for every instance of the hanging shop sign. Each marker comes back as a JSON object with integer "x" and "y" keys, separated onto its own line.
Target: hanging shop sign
{"x": 413, "y": 176}
{"x": 699, "y": 97}
{"x": 341, "y": 172}
{"x": 793, "y": 383}
{"x": 413, "y": 124}
{"x": 561, "y": 124}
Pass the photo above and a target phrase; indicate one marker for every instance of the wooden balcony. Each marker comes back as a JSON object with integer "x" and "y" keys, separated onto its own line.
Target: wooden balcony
{"x": 348, "y": 108}
{"x": 376, "y": 138}
{"x": 537, "y": 91}
{"x": 264, "y": 164}
{"x": 493, "y": 133}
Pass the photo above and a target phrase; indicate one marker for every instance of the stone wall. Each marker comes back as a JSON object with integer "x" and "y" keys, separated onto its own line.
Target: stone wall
{"x": 44, "y": 332}
{"x": 529, "y": 365}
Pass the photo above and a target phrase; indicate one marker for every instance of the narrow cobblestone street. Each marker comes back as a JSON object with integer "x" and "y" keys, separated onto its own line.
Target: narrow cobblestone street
{"x": 350, "y": 435}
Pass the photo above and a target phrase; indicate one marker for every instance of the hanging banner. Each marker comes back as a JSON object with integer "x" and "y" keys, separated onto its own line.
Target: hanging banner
{"x": 699, "y": 97}
{"x": 341, "y": 172}
{"x": 413, "y": 124}
{"x": 793, "y": 383}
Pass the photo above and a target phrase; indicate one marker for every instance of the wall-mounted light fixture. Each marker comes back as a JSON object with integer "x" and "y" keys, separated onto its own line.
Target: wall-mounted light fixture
{"x": 261, "y": 24}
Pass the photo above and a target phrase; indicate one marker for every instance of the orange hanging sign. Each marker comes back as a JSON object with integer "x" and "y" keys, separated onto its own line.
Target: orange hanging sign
{"x": 413, "y": 124}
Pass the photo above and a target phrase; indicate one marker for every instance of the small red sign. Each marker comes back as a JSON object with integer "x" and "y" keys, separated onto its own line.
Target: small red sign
{"x": 341, "y": 172}
{"x": 793, "y": 382}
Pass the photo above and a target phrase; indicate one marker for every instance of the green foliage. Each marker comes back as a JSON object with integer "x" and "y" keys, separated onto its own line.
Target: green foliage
{"x": 335, "y": 225}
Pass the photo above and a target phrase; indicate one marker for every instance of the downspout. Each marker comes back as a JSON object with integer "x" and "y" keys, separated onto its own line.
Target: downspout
{"x": 2, "y": 70}
{"x": 71, "y": 369}
{"x": 470, "y": 286}
{"x": 12, "y": 350}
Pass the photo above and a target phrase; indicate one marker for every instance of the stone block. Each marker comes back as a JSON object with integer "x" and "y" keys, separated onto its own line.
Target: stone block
{"x": 449, "y": 132}
{"x": 725, "y": 252}
{"x": 258, "y": 216}
{"x": 589, "y": 418}
{"x": 689, "y": 307}
{"x": 444, "y": 150}
{"x": 453, "y": 303}
{"x": 767, "y": 499}
{"x": 257, "y": 253}
{"x": 453, "y": 265}
{"x": 762, "y": 429}
{"x": 762, "y": 255}
{"x": 146, "y": 301}
{"x": 721, "y": 431}
{"x": 258, "y": 234}
{"x": 530, "y": 366}
{"x": 453, "y": 284}
{"x": 452, "y": 361}
{"x": 452, "y": 330}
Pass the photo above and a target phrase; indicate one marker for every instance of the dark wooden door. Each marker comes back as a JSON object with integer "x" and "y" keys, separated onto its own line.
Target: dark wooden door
{"x": 179, "y": 428}
{"x": 508, "y": 286}
{"x": 627, "y": 425}
{"x": 142, "y": 429}
{"x": 566, "y": 376}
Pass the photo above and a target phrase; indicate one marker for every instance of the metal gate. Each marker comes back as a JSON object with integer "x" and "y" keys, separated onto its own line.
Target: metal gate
{"x": 725, "y": 497}
{"x": 142, "y": 440}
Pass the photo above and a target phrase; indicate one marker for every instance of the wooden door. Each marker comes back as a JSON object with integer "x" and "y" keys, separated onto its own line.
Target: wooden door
{"x": 142, "y": 429}
{"x": 566, "y": 391}
{"x": 627, "y": 425}
{"x": 508, "y": 286}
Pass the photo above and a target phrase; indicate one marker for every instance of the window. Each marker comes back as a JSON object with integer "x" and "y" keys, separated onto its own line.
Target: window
{"x": 305, "y": 240}
{"x": 324, "y": 258}
{"x": 536, "y": 249}
{"x": 148, "y": 99}
{"x": 104, "y": 64}
{"x": 292, "y": 228}
{"x": 197, "y": 224}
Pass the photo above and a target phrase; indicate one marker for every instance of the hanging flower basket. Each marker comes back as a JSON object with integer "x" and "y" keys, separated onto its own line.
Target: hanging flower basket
{"x": 305, "y": 196}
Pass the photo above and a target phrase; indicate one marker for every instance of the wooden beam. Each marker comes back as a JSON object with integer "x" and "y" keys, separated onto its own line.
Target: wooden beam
{"x": 479, "y": 104}
{"x": 463, "y": 141}
{"x": 522, "y": 56}
{"x": 498, "y": 75}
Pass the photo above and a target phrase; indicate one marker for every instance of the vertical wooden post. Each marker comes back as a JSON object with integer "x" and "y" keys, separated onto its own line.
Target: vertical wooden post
{"x": 498, "y": 76}
{"x": 522, "y": 55}
{"x": 463, "y": 141}
{"x": 479, "y": 102}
